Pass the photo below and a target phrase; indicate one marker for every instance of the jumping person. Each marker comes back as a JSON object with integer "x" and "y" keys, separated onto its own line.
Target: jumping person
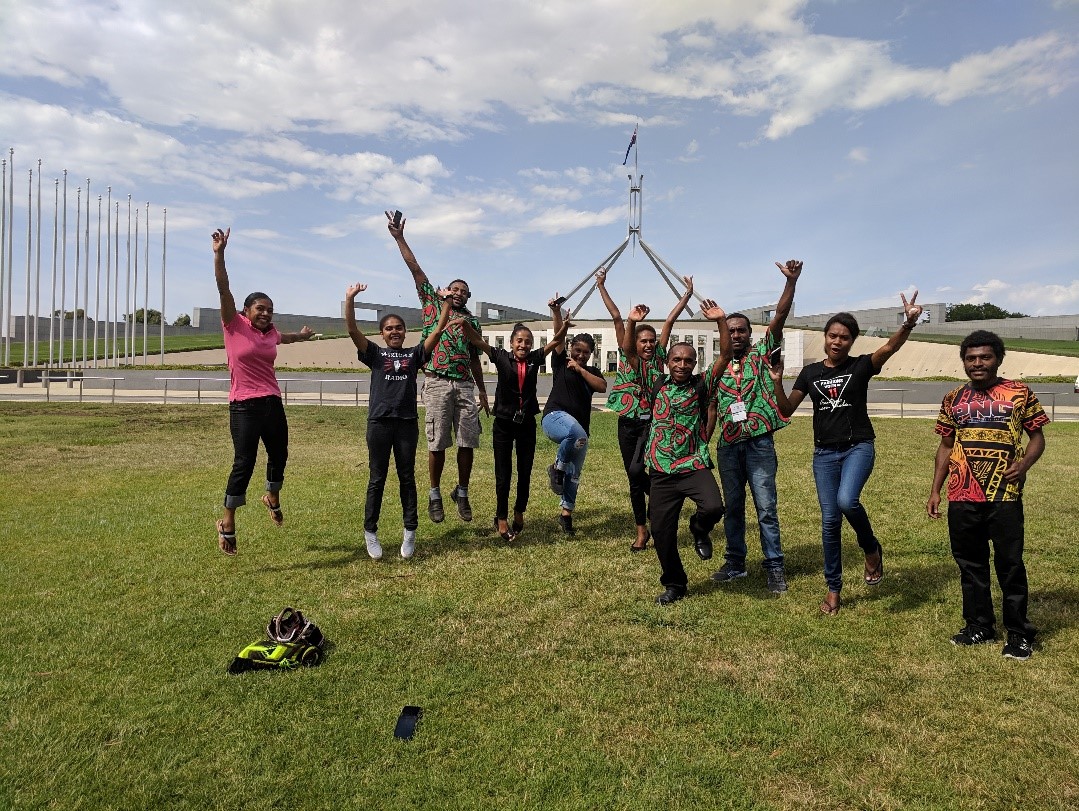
{"x": 981, "y": 456}
{"x": 641, "y": 358}
{"x": 392, "y": 419}
{"x": 568, "y": 410}
{"x": 843, "y": 434}
{"x": 255, "y": 408}
{"x": 746, "y": 451}
{"x": 677, "y": 455}
{"x": 450, "y": 387}
{"x": 516, "y": 407}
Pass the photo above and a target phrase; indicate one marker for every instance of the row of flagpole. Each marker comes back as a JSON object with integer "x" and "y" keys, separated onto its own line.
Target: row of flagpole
{"x": 113, "y": 354}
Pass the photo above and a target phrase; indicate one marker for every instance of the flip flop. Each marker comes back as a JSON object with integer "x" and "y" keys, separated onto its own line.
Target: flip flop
{"x": 634, "y": 548}
{"x": 874, "y": 575}
{"x": 276, "y": 515}
{"x": 226, "y": 541}
{"x": 827, "y": 608}
{"x": 508, "y": 535}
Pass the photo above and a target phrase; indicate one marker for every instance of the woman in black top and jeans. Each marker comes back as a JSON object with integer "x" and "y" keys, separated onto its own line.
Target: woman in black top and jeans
{"x": 515, "y": 413}
{"x": 843, "y": 435}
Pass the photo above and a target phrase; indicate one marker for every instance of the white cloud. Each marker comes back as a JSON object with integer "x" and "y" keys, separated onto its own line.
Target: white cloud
{"x": 858, "y": 154}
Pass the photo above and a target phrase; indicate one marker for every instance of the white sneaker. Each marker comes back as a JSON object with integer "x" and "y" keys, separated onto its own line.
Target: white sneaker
{"x": 374, "y": 548}
{"x": 408, "y": 546}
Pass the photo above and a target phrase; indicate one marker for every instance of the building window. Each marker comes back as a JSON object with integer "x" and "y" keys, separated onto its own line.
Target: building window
{"x": 500, "y": 342}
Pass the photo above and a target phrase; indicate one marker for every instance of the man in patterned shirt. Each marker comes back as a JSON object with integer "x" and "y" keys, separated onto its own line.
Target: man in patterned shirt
{"x": 449, "y": 393}
{"x": 746, "y": 452}
{"x": 676, "y": 456}
{"x": 981, "y": 427}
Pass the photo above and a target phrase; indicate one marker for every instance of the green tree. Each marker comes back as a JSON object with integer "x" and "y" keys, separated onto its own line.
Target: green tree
{"x": 69, "y": 315}
{"x": 140, "y": 316}
{"x": 182, "y": 320}
{"x": 978, "y": 312}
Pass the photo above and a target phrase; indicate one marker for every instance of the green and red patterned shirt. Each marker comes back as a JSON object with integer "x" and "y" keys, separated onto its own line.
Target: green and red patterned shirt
{"x": 676, "y": 440}
{"x": 988, "y": 427}
{"x": 747, "y": 381}
{"x": 452, "y": 357}
{"x": 629, "y": 394}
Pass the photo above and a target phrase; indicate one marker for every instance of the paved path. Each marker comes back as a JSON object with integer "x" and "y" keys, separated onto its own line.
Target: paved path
{"x": 886, "y": 397}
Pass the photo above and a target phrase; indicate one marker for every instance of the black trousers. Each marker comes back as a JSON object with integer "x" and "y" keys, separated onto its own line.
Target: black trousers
{"x": 971, "y": 527}
{"x": 629, "y": 433}
{"x": 506, "y": 436}
{"x": 669, "y": 493}
{"x": 399, "y": 436}
{"x": 260, "y": 418}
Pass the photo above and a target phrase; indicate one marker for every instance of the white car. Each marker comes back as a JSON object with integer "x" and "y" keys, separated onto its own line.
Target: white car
{"x": 1077, "y": 385}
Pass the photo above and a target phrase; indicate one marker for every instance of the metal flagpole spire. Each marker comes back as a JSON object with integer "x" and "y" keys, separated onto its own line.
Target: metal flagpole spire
{"x": 636, "y": 210}
{"x": 55, "y": 257}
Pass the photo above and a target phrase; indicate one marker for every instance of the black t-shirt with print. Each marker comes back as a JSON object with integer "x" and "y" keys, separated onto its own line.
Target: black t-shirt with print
{"x": 569, "y": 391}
{"x": 839, "y": 395}
{"x": 393, "y": 380}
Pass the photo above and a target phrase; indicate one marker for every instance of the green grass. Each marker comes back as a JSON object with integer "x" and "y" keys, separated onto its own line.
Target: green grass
{"x": 548, "y": 677}
{"x": 1039, "y": 345}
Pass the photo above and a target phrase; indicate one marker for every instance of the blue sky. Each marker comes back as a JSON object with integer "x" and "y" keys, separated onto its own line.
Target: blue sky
{"x": 889, "y": 145}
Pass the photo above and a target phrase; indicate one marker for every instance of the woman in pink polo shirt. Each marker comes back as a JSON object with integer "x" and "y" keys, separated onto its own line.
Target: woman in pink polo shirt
{"x": 255, "y": 408}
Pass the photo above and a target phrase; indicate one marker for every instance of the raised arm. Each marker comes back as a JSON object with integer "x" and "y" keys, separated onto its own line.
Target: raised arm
{"x": 398, "y": 234}
{"x": 221, "y": 276}
{"x": 679, "y": 307}
{"x": 629, "y": 342}
{"x": 470, "y": 333}
{"x": 612, "y": 308}
{"x": 913, "y": 312}
{"x": 557, "y": 320}
{"x": 354, "y": 333}
{"x": 792, "y": 270}
{"x": 304, "y": 334}
{"x": 713, "y": 312}
{"x": 431, "y": 341}
{"x": 558, "y": 338}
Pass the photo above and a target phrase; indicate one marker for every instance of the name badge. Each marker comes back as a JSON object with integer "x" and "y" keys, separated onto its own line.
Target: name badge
{"x": 738, "y": 412}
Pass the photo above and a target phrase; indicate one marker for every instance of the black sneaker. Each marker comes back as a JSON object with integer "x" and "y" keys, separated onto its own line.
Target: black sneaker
{"x": 1018, "y": 647}
{"x": 558, "y": 480}
{"x": 728, "y": 572}
{"x": 777, "y": 580}
{"x": 671, "y": 595}
{"x": 973, "y": 636}
{"x": 434, "y": 509}
{"x": 566, "y": 522}
{"x": 464, "y": 509}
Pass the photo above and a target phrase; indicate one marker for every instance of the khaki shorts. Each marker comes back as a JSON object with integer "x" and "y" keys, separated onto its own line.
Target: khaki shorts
{"x": 451, "y": 411}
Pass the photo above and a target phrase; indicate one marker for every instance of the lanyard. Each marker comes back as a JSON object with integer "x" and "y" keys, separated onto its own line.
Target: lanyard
{"x": 522, "y": 370}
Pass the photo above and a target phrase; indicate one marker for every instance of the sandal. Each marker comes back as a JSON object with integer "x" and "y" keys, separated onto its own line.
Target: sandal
{"x": 508, "y": 535}
{"x": 829, "y": 608}
{"x": 644, "y": 545}
{"x": 517, "y": 528}
{"x": 874, "y": 574}
{"x": 276, "y": 515}
{"x": 226, "y": 541}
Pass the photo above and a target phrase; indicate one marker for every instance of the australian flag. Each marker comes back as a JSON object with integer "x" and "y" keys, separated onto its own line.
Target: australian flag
{"x": 632, "y": 141}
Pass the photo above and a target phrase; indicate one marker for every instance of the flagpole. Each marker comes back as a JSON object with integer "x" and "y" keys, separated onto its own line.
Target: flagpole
{"x": 3, "y": 254}
{"x": 55, "y": 250}
{"x": 86, "y": 277}
{"x": 37, "y": 268}
{"x": 135, "y": 290}
{"x": 63, "y": 273}
{"x": 97, "y": 285}
{"x": 129, "y": 324}
{"x": 164, "y": 237}
{"x": 29, "y": 254}
{"x": 146, "y": 285}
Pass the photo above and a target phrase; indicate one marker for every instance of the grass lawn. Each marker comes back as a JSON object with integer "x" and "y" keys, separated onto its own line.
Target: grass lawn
{"x": 548, "y": 677}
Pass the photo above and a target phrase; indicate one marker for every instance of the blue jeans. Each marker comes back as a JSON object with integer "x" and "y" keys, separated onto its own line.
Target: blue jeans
{"x": 840, "y": 477}
{"x": 560, "y": 427}
{"x": 753, "y": 462}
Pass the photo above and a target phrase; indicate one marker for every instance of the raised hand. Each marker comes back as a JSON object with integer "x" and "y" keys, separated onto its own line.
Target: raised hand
{"x": 305, "y": 333}
{"x": 443, "y": 293}
{"x": 601, "y": 277}
{"x": 220, "y": 239}
{"x": 792, "y": 269}
{"x": 395, "y": 230}
{"x": 912, "y": 311}
{"x": 354, "y": 290}
{"x": 639, "y": 312}
{"x": 688, "y": 280}
{"x": 711, "y": 310}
